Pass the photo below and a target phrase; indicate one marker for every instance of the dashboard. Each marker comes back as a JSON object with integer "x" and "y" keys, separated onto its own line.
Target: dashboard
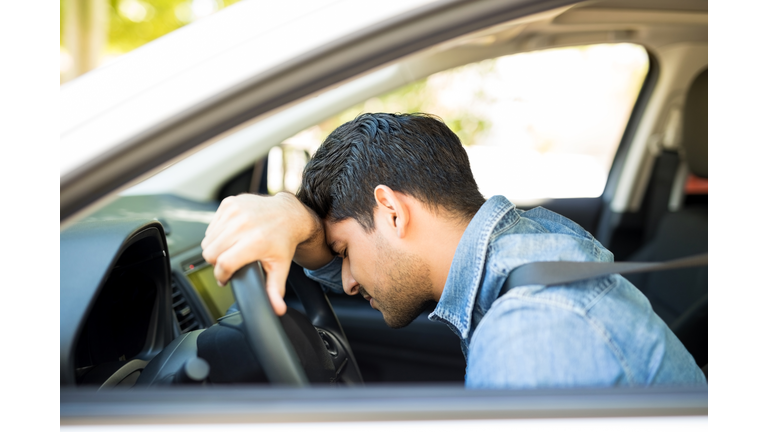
{"x": 140, "y": 306}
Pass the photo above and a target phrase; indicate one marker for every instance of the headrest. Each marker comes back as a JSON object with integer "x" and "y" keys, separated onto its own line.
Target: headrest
{"x": 695, "y": 126}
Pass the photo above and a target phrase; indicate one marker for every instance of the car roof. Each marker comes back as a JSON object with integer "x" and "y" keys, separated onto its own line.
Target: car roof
{"x": 246, "y": 62}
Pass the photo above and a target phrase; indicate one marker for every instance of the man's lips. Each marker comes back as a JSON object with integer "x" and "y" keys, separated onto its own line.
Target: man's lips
{"x": 365, "y": 294}
{"x": 368, "y": 298}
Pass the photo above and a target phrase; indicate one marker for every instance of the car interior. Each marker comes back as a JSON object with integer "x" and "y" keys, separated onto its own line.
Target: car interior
{"x": 140, "y": 306}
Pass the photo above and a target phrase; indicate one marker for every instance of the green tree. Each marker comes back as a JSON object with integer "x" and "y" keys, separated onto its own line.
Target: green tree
{"x": 132, "y": 23}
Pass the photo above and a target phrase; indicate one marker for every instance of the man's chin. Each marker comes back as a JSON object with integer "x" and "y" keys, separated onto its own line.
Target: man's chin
{"x": 397, "y": 324}
{"x": 402, "y": 319}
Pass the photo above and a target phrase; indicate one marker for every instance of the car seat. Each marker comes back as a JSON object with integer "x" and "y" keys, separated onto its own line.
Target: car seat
{"x": 679, "y": 297}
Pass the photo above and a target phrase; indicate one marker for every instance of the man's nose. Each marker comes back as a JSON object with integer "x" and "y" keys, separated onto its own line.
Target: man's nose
{"x": 351, "y": 287}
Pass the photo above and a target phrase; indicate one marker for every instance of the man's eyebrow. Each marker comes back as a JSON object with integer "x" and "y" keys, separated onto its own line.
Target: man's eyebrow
{"x": 332, "y": 247}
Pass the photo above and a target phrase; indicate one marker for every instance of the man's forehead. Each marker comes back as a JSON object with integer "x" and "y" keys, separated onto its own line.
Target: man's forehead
{"x": 341, "y": 231}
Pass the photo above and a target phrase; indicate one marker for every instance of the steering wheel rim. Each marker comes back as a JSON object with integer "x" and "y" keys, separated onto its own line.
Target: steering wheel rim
{"x": 262, "y": 329}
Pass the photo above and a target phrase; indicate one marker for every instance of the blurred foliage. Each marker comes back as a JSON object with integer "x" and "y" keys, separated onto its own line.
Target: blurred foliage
{"x": 424, "y": 96}
{"x": 133, "y": 23}
{"x": 62, "y": 14}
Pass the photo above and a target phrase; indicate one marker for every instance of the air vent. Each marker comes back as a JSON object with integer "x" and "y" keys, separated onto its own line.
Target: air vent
{"x": 184, "y": 314}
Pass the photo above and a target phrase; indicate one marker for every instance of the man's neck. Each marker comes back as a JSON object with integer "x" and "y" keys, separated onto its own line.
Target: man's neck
{"x": 438, "y": 238}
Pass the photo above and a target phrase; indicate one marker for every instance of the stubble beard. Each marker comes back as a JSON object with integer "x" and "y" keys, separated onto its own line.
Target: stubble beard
{"x": 406, "y": 293}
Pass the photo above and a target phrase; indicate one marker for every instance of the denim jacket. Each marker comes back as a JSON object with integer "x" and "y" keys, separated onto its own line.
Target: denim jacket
{"x": 599, "y": 332}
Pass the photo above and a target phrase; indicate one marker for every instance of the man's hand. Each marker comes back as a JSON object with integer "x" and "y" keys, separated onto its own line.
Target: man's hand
{"x": 249, "y": 228}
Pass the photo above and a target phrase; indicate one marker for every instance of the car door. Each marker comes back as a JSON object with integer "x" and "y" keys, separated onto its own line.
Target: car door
{"x": 140, "y": 148}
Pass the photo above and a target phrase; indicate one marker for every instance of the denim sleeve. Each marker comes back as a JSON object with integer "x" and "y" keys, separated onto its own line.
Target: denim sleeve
{"x": 329, "y": 276}
{"x": 607, "y": 335}
{"x": 525, "y": 344}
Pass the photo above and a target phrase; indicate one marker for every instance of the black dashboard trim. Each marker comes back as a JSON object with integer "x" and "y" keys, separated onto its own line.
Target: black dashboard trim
{"x": 89, "y": 251}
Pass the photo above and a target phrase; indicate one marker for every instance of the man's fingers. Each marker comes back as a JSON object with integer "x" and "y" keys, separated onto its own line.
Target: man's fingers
{"x": 277, "y": 275}
{"x": 278, "y": 303}
{"x": 233, "y": 258}
{"x": 220, "y": 212}
{"x": 226, "y": 239}
{"x": 222, "y": 220}
{"x": 213, "y": 223}
{"x": 238, "y": 256}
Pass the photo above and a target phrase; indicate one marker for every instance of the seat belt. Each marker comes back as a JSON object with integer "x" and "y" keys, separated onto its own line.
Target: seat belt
{"x": 562, "y": 272}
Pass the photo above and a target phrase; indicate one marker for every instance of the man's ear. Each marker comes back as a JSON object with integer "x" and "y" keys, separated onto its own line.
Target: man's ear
{"x": 394, "y": 208}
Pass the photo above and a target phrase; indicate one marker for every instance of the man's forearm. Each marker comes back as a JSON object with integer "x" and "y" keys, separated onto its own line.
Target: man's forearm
{"x": 313, "y": 252}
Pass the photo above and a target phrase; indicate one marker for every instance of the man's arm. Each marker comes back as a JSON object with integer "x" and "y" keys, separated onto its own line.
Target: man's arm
{"x": 273, "y": 230}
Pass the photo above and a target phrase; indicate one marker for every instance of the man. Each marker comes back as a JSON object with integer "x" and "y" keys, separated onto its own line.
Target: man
{"x": 388, "y": 209}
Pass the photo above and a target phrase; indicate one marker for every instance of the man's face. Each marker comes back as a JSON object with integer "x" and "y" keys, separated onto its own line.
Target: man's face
{"x": 394, "y": 281}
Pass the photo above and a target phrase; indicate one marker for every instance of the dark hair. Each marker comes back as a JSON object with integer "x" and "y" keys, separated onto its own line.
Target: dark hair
{"x": 416, "y": 154}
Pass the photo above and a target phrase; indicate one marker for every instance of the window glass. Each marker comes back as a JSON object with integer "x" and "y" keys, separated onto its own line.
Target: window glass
{"x": 537, "y": 125}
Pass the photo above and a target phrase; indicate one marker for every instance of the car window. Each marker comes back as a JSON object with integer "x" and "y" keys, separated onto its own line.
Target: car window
{"x": 536, "y": 125}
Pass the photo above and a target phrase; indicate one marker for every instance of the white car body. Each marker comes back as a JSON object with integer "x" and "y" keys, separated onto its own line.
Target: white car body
{"x": 200, "y": 104}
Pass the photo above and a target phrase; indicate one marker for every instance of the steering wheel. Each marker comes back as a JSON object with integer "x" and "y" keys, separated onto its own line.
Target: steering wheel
{"x": 263, "y": 329}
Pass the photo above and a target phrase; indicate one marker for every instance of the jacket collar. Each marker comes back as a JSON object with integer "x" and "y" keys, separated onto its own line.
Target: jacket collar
{"x": 468, "y": 266}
